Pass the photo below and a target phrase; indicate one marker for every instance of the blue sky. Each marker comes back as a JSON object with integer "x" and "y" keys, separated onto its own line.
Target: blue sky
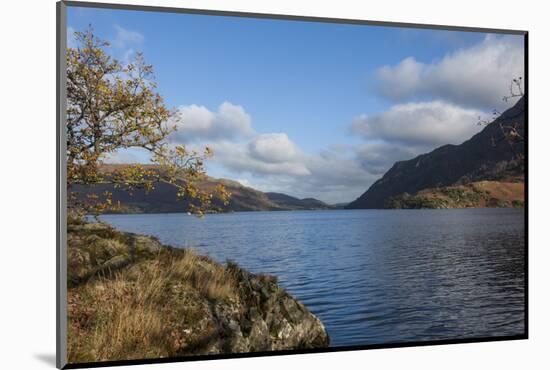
{"x": 311, "y": 109}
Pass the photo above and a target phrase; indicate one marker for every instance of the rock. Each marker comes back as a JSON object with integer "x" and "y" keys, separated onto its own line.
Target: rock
{"x": 291, "y": 309}
{"x": 259, "y": 338}
{"x": 285, "y": 330}
{"x": 255, "y": 284}
{"x": 234, "y": 326}
{"x": 249, "y": 313}
{"x": 264, "y": 317}
{"x": 145, "y": 244}
{"x": 253, "y": 313}
{"x": 116, "y": 263}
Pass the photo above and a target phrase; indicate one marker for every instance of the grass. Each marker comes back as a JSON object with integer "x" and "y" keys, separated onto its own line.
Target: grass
{"x": 214, "y": 281}
{"x": 140, "y": 310}
{"x": 129, "y": 297}
{"x": 476, "y": 194}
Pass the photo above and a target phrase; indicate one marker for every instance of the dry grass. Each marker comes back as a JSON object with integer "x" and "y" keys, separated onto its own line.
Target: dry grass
{"x": 475, "y": 194}
{"x": 132, "y": 298}
{"x": 505, "y": 191}
{"x": 141, "y": 310}
{"x": 214, "y": 281}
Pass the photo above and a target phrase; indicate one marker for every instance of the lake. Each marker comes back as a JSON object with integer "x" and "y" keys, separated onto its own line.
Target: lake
{"x": 373, "y": 276}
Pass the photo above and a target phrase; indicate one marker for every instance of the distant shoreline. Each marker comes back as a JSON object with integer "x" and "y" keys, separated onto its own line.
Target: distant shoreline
{"x": 304, "y": 210}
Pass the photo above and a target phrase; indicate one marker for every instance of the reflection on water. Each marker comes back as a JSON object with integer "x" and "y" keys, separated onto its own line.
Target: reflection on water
{"x": 374, "y": 276}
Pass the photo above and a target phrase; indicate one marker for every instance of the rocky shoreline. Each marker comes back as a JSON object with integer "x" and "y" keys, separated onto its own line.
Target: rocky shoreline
{"x": 130, "y": 297}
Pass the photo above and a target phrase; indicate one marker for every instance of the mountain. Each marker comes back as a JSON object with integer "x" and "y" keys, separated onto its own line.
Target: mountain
{"x": 286, "y": 201}
{"x": 477, "y": 194}
{"x": 164, "y": 198}
{"x": 486, "y": 156}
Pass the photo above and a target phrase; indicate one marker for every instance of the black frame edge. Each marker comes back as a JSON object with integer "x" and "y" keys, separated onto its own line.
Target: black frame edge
{"x": 526, "y": 183}
{"x": 289, "y": 352}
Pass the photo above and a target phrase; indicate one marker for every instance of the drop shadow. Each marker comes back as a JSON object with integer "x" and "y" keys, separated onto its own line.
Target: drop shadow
{"x": 47, "y": 358}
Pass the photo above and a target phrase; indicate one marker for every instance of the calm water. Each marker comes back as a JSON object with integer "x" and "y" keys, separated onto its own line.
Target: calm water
{"x": 374, "y": 276}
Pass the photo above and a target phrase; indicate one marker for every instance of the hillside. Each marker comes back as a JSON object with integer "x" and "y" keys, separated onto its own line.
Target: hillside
{"x": 286, "y": 201}
{"x": 164, "y": 198}
{"x": 486, "y": 156}
{"x": 130, "y": 297}
{"x": 477, "y": 194}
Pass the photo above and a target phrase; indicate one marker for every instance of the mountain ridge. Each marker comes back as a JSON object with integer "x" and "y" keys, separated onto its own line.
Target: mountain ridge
{"x": 478, "y": 158}
{"x": 163, "y": 199}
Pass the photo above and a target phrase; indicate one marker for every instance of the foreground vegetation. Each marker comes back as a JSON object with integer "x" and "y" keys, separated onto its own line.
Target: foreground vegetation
{"x": 129, "y": 297}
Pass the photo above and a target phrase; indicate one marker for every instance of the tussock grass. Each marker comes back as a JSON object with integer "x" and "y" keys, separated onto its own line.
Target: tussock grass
{"x": 213, "y": 280}
{"x": 112, "y": 318}
{"x": 141, "y": 310}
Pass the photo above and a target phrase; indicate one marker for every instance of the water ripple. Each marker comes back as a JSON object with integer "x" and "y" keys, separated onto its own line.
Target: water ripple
{"x": 374, "y": 276}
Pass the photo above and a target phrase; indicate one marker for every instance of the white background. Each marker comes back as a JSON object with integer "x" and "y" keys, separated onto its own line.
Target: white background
{"x": 27, "y": 181}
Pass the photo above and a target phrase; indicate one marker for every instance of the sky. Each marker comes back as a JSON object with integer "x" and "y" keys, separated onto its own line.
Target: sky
{"x": 305, "y": 108}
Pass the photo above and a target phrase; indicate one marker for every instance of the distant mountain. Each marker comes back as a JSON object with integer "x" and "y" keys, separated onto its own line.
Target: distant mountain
{"x": 286, "y": 201}
{"x": 164, "y": 200}
{"x": 486, "y": 156}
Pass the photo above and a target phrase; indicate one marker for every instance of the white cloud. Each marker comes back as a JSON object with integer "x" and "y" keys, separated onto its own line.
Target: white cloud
{"x": 198, "y": 123}
{"x": 378, "y": 156}
{"x": 241, "y": 158}
{"x": 458, "y": 89}
{"x": 478, "y": 76}
{"x": 245, "y": 182}
{"x": 340, "y": 172}
{"x": 124, "y": 38}
{"x": 419, "y": 124}
{"x": 407, "y": 130}
{"x": 128, "y": 156}
{"x": 273, "y": 148}
{"x": 332, "y": 175}
{"x": 335, "y": 178}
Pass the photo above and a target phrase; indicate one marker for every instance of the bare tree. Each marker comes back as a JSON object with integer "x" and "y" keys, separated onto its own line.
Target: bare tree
{"x": 509, "y": 128}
